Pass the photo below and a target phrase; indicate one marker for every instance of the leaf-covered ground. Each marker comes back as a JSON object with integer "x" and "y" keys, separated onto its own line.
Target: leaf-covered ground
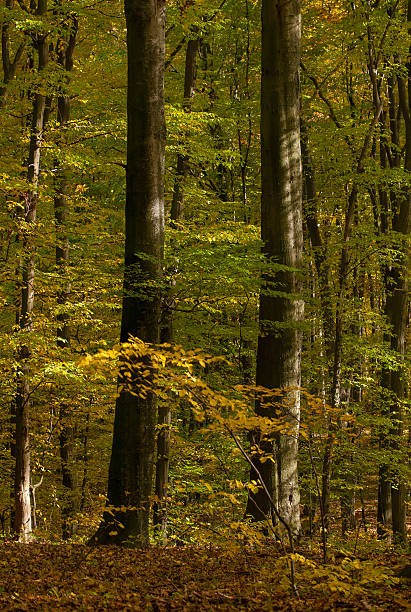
{"x": 75, "y": 577}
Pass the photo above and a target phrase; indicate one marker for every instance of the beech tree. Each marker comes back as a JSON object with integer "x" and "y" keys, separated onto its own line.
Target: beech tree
{"x": 131, "y": 466}
{"x": 281, "y": 306}
{"x": 213, "y": 280}
{"x": 65, "y": 50}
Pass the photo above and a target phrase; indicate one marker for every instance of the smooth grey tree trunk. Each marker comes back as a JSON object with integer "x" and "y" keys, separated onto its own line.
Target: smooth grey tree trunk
{"x": 126, "y": 520}
{"x": 279, "y": 342}
{"x": 317, "y": 242}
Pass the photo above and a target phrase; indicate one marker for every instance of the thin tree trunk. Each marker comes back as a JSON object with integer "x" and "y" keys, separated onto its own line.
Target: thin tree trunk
{"x": 126, "y": 520}
{"x": 398, "y": 312}
{"x": 160, "y": 513}
{"x": 176, "y": 214}
{"x": 177, "y": 204}
{"x": 22, "y": 503}
{"x": 317, "y": 243}
{"x": 339, "y": 323}
{"x": 71, "y": 501}
{"x": 348, "y": 490}
{"x": 85, "y": 461}
{"x": 9, "y": 66}
{"x": 384, "y": 507}
{"x": 244, "y": 149}
{"x": 279, "y": 342}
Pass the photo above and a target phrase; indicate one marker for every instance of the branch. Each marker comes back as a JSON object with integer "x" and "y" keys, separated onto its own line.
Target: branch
{"x": 18, "y": 55}
{"x": 322, "y": 96}
{"x": 273, "y": 505}
{"x": 387, "y": 27}
{"x": 33, "y": 487}
{"x": 368, "y": 136}
{"x": 174, "y": 52}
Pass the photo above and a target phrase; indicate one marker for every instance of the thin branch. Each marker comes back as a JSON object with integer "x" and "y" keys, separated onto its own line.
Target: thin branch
{"x": 367, "y": 140}
{"x": 386, "y": 29}
{"x": 317, "y": 484}
{"x": 272, "y": 503}
{"x": 322, "y": 96}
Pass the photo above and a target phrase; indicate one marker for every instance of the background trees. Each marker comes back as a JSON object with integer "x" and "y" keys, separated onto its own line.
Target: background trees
{"x": 355, "y": 135}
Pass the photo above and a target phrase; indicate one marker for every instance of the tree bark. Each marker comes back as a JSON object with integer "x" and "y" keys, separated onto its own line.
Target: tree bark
{"x": 126, "y": 520}
{"x": 71, "y": 501}
{"x": 279, "y": 342}
{"x": 317, "y": 242}
{"x": 177, "y": 204}
{"x": 22, "y": 503}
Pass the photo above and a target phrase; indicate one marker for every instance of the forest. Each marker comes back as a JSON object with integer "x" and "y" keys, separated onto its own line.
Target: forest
{"x": 205, "y": 222}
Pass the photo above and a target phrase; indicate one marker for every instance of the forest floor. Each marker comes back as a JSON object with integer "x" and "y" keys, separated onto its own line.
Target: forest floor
{"x": 75, "y": 577}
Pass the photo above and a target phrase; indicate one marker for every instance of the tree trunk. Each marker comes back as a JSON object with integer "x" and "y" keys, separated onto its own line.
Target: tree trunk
{"x": 336, "y": 369}
{"x": 71, "y": 501}
{"x": 337, "y": 362}
{"x": 177, "y": 204}
{"x": 317, "y": 242}
{"x": 398, "y": 311}
{"x": 347, "y": 459}
{"x": 384, "y": 507}
{"x": 126, "y": 520}
{"x": 177, "y": 213}
{"x": 160, "y": 514}
{"x": 85, "y": 461}
{"x": 392, "y": 484}
{"x": 279, "y": 342}
{"x": 9, "y": 66}
{"x": 22, "y": 503}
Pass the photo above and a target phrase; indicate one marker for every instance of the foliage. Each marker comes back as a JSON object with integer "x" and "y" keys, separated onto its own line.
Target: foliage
{"x": 190, "y": 578}
{"x": 211, "y": 284}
